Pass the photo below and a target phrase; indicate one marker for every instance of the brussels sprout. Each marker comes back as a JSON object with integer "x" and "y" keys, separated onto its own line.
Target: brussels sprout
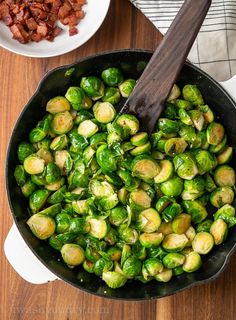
{"x": 37, "y": 200}
{"x": 62, "y": 122}
{"x": 192, "y": 94}
{"x": 190, "y": 234}
{"x": 172, "y": 187}
{"x": 210, "y": 184}
{"x": 183, "y": 104}
{"x": 175, "y": 93}
{"x": 43, "y": 227}
{"x": 192, "y": 262}
{"x": 64, "y": 161}
{"x": 164, "y": 276}
{"x": 52, "y": 210}
{"x": 37, "y": 134}
{"x": 126, "y": 253}
{"x": 98, "y": 228}
{"x": 112, "y": 77}
{"x": 106, "y": 159}
{"x": 197, "y": 119}
{"x": 219, "y": 231}
{"x": 87, "y": 128}
{"x": 28, "y": 188}
{"x": 175, "y": 146}
{"x": 139, "y": 251}
{"x": 55, "y": 243}
{"x": 207, "y": 113}
{"x": 219, "y": 147}
{"x": 114, "y": 253}
{"x": 193, "y": 188}
{"x": 98, "y": 139}
{"x": 227, "y": 209}
{"x": 102, "y": 265}
{"x": 166, "y": 171}
{"x": 204, "y": 226}
{"x": 79, "y": 225}
{"x": 224, "y": 175}
{"x": 145, "y": 168}
{"x": 145, "y": 148}
{"x": 107, "y": 203}
{"x": 151, "y": 239}
{"x": 59, "y": 143}
{"x": 100, "y": 188}
{"x": 62, "y": 222}
{"x": 171, "y": 212}
{"x": 55, "y": 185}
{"x": 129, "y": 122}
{"x": 123, "y": 196}
{"x": 168, "y": 126}
{"x": 33, "y": 164}
{"x": 72, "y": 254}
{"x": 185, "y": 166}
{"x": 118, "y": 215}
{"x": 39, "y": 179}
{"x": 104, "y": 112}
{"x": 45, "y": 155}
{"x": 215, "y": 133}
{"x": 140, "y": 200}
{"x": 112, "y": 95}
{"x": 185, "y": 117}
{"x": 129, "y": 235}
{"x": 127, "y": 87}
{"x": 205, "y": 161}
{"x": 221, "y": 196}
{"x": 170, "y": 111}
{"x": 156, "y": 252}
{"x": 203, "y": 242}
{"x": 81, "y": 206}
{"x": 174, "y": 242}
{"x": 181, "y": 223}
{"x": 57, "y": 104}
{"x": 204, "y": 199}
{"x": 20, "y": 175}
{"x": 78, "y": 99}
{"x": 88, "y": 266}
{"x": 163, "y": 203}
{"x": 196, "y": 210}
{"x": 129, "y": 181}
{"x": 81, "y": 116}
{"x": 177, "y": 271}
{"x": 114, "y": 279}
{"x": 151, "y": 267}
{"x": 52, "y": 172}
{"x": 173, "y": 260}
{"x": 24, "y": 150}
{"x": 148, "y": 220}
{"x": 132, "y": 267}
{"x": 139, "y": 139}
{"x": 225, "y": 156}
{"x": 93, "y": 87}
{"x": 165, "y": 228}
{"x": 157, "y": 155}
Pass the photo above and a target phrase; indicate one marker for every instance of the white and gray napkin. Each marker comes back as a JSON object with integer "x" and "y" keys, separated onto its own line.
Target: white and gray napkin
{"x": 214, "y": 50}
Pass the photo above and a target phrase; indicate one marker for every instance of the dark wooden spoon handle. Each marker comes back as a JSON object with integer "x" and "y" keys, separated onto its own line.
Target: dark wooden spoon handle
{"x": 148, "y": 98}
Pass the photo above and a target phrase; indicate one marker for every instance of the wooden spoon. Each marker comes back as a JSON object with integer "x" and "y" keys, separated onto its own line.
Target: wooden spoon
{"x": 148, "y": 98}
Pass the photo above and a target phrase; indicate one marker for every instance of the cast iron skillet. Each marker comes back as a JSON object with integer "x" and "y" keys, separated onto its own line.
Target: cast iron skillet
{"x": 132, "y": 62}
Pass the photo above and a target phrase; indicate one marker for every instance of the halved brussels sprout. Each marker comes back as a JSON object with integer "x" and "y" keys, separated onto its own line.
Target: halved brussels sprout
{"x": 128, "y": 121}
{"x": 166, "y": 171}
{"x": 151, "y": 267}
{"x": 82, "y": 115}
{"x": 222, "y": 196}
{"x": 102, "y": 265}
{"x": 192, "y": 262}
{"x": 219, "y": 231}
{"x": 196, "y": 210}
{"x": 93, "y": 87}
{"x": 175, "y": 146}
{"x": 165, "y": 228}
{"x": 43, "y": 227}
{"x": 52, "y": 210}
{"x": 183, "y": 104}
{"x": 20, "y": 175}
{"x": 215, "y": 133}
{"x": 227, "y": 209}
{"x": 64, "y": 161}
{"x": 185, "y": 117}
{"x": 181, "y": 223}
{"x": 164, "y": 276}
{"x": 79, "y": 225}
{"x": 192, "y": 94}
{"x": 145, "y": 148}
{"x": 114, "y": 279}
{"x": 205, "y": 161}
{"x": 174, "y": 93}
{"x": 52, "y": 173}
{"x": 219, "y": 147}
{"x": 185, "y": 166}
{"x": 112, "y": 95}
{"x": 129, "y": 181}
{"x": 140, "y": 200}
{"x": 100, "y": 189}
{"x": 172, "y": 187}
{"x": 197, "y": 119}
{"x": 209, "y": 182}
{"x": 190, "y": 234}
{"x": 28, "y": 188}
{"x": 98, "y": 139}
{"x": 145, "y": 168}
{"x": 37, "y": 199}
{"x": 45, "y": 155}
{"x": 112, "y": 76}
{"x": 163, "y": 203}
{"x": 55, "y": 185}
{"x": 148, "y": 220}
{"x": 104, "y": 112}
{"x": 59, "y": 143}
{"x": 194, "y": 188}
{"x": 224, "y": 175}
{"x": 139, "y": 139}
{"x": 132, "y": 267}
{"x": 129, "y": 235}
{"x": 114, "y": 253}
{"x": 171, "y": 212}
{"x": 203, "y": 242}
{"x": 24, "y": 150}
{"x": 207, "y": 113}
{"x": 78, "y": 99}
{"x": 178, "y": 270}
{"x": 98, "y": 228}
{"x": 118, "y": 215}
{"x": 123, "y": 195}
{"x": 225, "y": 156}
{"x": 149, "y": 240}
{"x": 57, "y": 104}
{"x": 72, "y": 254}
{"x": 127, "y": 87}
{"x": 62, "y": 222}
{"x": 88, "y": 266}
{"x": 205, "y": 225}
{"x": 173, "y": 260}
{"x": 87, "y": 128}
{"x": 168, "y": 126}
{"x": 62, "y": 122}
{"x": 174, "y": 242}
{"x": 33, "y": 164}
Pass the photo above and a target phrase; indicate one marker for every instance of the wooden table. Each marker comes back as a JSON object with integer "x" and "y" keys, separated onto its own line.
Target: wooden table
{"x": 124, "y": 27}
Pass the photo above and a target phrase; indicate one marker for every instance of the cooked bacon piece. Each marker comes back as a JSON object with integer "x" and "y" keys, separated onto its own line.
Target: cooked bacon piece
{"x": 73, "y": 31}
{"x": 31, "y": 24}
{"x": 19, "y": 33}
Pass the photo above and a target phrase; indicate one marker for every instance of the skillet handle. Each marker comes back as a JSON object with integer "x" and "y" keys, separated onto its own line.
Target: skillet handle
{"x": 23, "y": 261}
{"x": 230, "y": 87}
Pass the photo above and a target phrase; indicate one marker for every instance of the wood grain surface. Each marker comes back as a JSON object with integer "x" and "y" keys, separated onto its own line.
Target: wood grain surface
{"x": 124, "y": 27}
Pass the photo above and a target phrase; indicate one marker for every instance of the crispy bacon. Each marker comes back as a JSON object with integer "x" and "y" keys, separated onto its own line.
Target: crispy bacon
{"x": 34, "y": 20}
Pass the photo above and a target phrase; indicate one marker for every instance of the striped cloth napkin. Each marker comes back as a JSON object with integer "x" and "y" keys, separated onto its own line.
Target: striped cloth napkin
{"x": 214, "y": 50}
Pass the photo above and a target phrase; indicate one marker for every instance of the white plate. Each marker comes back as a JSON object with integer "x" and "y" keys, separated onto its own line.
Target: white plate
{"x": 95, "y": 13}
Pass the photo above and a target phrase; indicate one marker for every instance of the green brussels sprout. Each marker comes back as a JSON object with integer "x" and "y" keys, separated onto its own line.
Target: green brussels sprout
{"x": 88, "y": 266}
{"x": 87, "y": 128}
{"x": 78, "y": 142}
{"x": 174, "y": 242}
{"x": 157, "y": 155}
{"x": 132, "y": 267}
{"x": 37, "y": 134}
{"x": 190, "y": 234}
{"x": 151, "y": 267}
{"x": 145, "y": 148}
{"x": 43, "y": 144}
{"x": 104, "y": 112}
{"x": 38, "y": 199}
{"x": 207, "y": 113}
{"x": 145, "y": 168}
{"x": 129, "y": 181}
{"x": 177, "y": 271}
{"x": 175, "y": 146}
{"x": 78, "y": 99}
{"x": 126, "y": 253}
{"x": 127, "y": 87}
{"x": 62, "y": 222}
{"x": 224, "y": 176}
{"x": 204, "y": 199}
{"x": 149, "y": 240}
{"x": 181, "y": 223}
{"x": 163, "y": 203}
{"x": 192, "y": 94}
{"x": 102, "y": 265}
{"x": 219, "y": 231}
{"x": 55, "y": 185}
{"x": 129, "y": 235}
{"x": 112, "y": 95}
{"x": 196, "y": 210}
{"x": 175, "y": 93}
{"x": 83, "y": 115}
{"x": 93, "y": 87}
{"x": 168, "y": 126}
{"x": 139, "y": 251}
{"x": 165, "y": 228}
{"x": 45, "y": 155}
{"x": 203, "y": 242}
{"x": 20, "y": 175}
{"x": 193, "y": 188}
{"x": 164, "y": 276}
{"x": 107, "y": 203}
{"x": 139, "y": 139}
{"x": 98, "y": 228}
{"x": 114, "y": 279}
{"x": 192, "y": 262}
{"x": 72, "y": 254}
{"x": 39, "y": 179}
{"x": 183, "y": 104}
{"x": 118, "y": 215}
{"x": 28, "y": 188}
{"x": 221, "y": 196}
{"x": 156, "y": 252}
{"x": 114, "y": 253}
{"x": 100, "y": 188}
{"x": 129, "y": 122}
{"x": 106, "y": 159}
{"x": 64, "y": 161}
{"x": 112, "y": 77}
{"x": 171, "y": 212}
{"x": 172, "y": 187}
{"x": 55, "y": 243}
{"x": 225, "y": 156}
{"x": 219, "y": 147}
{"x": 79, "y": 225}
{"x": 215, "y": 133}
{"x": 185, "y": 117}
{"x": 205, "y": 226}
{"x": 98, "y": 139}
{"x": 123, "y": 196}
{"x": 227, "y": 209}
{"x": 62, "y": 122}
{"x": 185, "y": 166}
{"x": 52, "y": 210}
{"x": 33, "y": 164}
{"x": 197, "y": 119}
{"x": 127, "y": 146}
{"x": 43, "y": 227}
{"x": 88, "y": 154}
{"x": 205, "y": 161}
{"x": 170, "y": 111}
{"x": 81, "y": 206}
{"x": 173, "y": 260}
{"x": 59, "y": 143}
{"x": 140, "y": 200}
{"x": 57, "y": 104}
{"x": 24, "y": 150}
{"x": 209, "y": 182}
{"x": 148, "y": 220}
{"x": 166, "y": 171}
{"x": 52, "y": 172}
